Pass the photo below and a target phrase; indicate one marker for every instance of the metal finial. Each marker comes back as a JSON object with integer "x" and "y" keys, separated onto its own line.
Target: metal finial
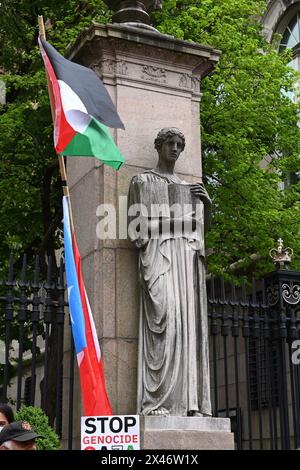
{"x": 281, "y": 256}
{"x": 132, "y": 10}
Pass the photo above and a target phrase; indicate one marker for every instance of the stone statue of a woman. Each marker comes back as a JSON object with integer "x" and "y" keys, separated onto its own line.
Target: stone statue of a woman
{"x": 173, "y": 365}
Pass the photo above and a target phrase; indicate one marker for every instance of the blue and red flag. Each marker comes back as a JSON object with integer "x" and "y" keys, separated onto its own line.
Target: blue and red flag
{"x": 94, "y": 396}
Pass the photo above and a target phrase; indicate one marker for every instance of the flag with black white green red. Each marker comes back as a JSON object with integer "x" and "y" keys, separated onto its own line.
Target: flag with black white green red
{"x": 83, "y": 110}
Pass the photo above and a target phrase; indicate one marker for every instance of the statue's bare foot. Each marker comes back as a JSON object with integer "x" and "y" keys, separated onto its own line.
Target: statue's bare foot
{"x": 196, "y": 413}
{"x": 159, "y": 412}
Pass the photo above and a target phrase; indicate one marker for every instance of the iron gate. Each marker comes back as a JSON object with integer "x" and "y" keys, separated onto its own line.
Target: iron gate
{"x": 253, "y": 329}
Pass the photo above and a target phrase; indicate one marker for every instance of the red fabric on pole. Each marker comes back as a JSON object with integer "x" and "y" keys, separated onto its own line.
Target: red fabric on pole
{"x": 63, "y": 132}
{"x": 95, "y": 399}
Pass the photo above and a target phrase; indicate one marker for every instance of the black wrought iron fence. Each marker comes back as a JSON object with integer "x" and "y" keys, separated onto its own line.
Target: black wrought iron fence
{"x": 252, "y": 332}
{"x": 254, "y": 380}
{"x": 32, "y": 320}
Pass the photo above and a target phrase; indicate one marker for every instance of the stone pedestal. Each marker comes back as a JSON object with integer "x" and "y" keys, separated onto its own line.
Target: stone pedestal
{"x": 154, "y": 81}
{"x": 186, "y": 433}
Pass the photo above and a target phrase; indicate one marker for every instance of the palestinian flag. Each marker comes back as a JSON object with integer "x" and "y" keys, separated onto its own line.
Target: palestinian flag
{"x": 83, "y": 110}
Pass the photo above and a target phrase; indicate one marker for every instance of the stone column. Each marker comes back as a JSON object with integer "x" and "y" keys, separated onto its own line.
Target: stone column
{"x": 154, "y": 81}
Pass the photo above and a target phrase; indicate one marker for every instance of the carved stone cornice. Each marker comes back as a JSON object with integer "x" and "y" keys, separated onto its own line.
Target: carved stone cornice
{"x": 127, "y": 40}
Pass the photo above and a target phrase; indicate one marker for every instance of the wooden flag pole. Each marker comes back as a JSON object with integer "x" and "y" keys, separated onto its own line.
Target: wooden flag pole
{"x": 61, "y": 160}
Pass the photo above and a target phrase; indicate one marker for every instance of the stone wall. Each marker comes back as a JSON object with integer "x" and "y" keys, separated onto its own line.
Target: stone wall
{"x": 154, "y": 81}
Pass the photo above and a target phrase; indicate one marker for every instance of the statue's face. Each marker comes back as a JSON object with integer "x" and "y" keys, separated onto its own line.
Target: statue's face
{"x": 171, "y": 149}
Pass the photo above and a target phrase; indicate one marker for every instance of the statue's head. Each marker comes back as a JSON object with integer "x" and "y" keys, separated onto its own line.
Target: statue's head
{"x": 169, "y": 143}
{"x": 165, "y": 134}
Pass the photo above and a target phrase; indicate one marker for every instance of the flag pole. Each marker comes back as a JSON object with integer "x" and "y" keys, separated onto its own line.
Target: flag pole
{"x": 61, "y": 160}
{"x": 97, "y": 379}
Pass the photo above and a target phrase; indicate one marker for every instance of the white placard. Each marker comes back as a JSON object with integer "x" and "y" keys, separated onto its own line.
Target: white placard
{"x": 110, "y": 432}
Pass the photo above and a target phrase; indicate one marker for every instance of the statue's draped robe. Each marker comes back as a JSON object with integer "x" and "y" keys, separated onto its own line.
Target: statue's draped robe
{"x": 173, "y": 365}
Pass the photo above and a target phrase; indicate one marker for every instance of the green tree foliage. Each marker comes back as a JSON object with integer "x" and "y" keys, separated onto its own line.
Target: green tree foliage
{"x": 39, "y": 422}
{"x": 246, "y": 115}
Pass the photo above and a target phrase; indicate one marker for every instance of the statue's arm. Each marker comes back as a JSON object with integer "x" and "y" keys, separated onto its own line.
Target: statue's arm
{"x": 199, "y": 191}
{"x": 137, "y": 231}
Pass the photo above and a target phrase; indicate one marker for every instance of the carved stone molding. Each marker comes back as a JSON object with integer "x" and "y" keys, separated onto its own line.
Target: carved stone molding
{"x": 185, "y": 81}
{"x": 189, "y": 81}
{"x": 156, "y": 74}
{"x": 195, "y": 84}
{"x": 121, "y": 67}
{"x": 111, "y": 67}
